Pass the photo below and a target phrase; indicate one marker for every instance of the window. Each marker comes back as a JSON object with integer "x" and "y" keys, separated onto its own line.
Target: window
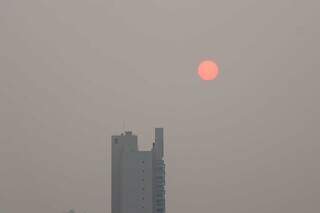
{"x": 116, "y": 140}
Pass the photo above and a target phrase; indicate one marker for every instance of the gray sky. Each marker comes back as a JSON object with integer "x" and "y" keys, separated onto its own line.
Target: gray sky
{"x": 71, "y": 72}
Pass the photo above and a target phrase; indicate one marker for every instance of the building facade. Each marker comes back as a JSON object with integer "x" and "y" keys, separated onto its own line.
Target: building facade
{"x": 138, "y": 177}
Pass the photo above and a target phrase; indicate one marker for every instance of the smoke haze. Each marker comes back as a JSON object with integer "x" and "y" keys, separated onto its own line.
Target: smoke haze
{"x": 72, "y": 73}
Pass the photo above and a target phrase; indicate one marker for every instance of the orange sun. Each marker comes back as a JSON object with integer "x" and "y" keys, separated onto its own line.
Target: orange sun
{"x": 208, "y": 70}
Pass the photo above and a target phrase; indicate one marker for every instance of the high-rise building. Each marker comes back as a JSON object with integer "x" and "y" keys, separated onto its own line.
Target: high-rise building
{"x": 138, "y": 177}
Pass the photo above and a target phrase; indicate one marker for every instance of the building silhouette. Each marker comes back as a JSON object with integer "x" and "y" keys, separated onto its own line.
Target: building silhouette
{"x": 138, "y": 177}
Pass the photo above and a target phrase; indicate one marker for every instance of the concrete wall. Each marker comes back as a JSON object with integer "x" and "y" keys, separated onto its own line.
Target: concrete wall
{"x": 137, "y": 182}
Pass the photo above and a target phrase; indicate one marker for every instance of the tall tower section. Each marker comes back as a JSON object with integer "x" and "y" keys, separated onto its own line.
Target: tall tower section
{"x": 158, "y": 165}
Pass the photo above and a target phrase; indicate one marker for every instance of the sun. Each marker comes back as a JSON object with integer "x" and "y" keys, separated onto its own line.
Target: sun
{"x": 208, "y": 70}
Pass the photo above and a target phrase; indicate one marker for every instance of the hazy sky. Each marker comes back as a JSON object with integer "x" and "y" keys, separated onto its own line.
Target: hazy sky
{"x": 73, "y": 71}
